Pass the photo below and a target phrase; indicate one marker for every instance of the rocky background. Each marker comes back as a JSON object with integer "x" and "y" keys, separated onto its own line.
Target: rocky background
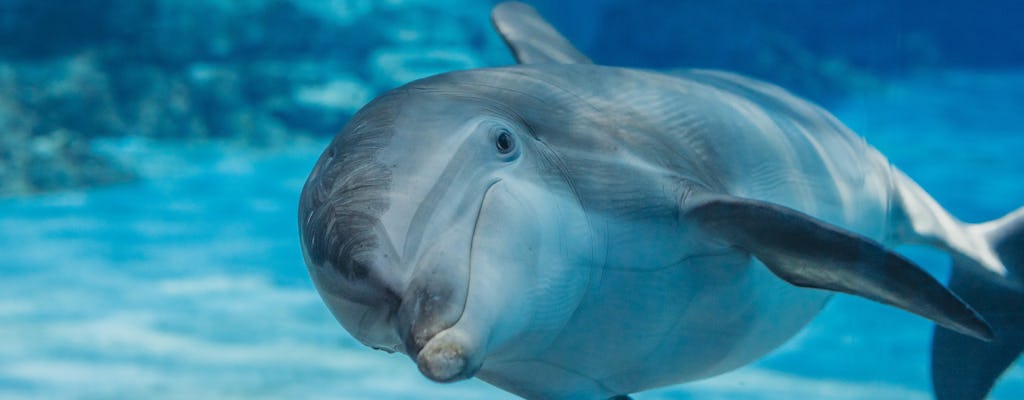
{"x": 256, "y": 72}
{"x": 260, "y": 72}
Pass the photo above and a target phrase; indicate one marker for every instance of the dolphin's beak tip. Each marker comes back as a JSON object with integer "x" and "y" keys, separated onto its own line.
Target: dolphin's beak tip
{"x": 443, "y": 367}
{"x": 446, "y": 359}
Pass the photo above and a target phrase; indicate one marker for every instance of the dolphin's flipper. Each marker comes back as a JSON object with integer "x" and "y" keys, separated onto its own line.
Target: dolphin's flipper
{"x": 964, "y": 368}
{"x": 531, "y": 39}
{"x": 808, "y": 252}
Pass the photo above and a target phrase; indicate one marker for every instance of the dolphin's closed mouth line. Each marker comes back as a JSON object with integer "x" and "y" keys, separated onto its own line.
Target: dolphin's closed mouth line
{"x": 469, "y": 271}
{"x": 472, "y": 238}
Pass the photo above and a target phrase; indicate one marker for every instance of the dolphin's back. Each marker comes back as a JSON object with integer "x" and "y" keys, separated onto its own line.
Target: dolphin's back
{"x": 741, "y": 136}
{"x": 805, "y": 158}
{"x": 769, "y": 145}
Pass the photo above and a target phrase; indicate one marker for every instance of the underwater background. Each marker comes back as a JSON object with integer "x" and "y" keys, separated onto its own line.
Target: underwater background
{"x": 152, "y": 153}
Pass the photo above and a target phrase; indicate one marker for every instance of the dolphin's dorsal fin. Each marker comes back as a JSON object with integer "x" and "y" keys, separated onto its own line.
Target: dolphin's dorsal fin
{"x": 808, "y": 252}
{"x": 532, "y": 39}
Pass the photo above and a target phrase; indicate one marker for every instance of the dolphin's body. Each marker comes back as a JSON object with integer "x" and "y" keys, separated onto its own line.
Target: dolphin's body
{"x": 564, "y": 230}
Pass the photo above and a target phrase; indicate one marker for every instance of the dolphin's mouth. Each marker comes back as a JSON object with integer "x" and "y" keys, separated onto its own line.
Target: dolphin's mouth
{"x": 444, "y": 355}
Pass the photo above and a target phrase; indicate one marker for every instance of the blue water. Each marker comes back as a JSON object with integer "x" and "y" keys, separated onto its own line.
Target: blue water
{"x": 189, "y": 283}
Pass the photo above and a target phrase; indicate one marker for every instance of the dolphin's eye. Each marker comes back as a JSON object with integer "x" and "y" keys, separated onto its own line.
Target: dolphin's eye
{"x": 505, "y": 143}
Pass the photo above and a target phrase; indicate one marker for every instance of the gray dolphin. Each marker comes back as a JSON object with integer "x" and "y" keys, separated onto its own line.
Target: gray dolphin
{"x": 564, "y": 230}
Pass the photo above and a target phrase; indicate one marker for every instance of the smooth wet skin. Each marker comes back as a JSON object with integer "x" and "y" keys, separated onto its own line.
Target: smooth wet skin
{"x": 448, "y": 225}
{"x": 564, "y": 230}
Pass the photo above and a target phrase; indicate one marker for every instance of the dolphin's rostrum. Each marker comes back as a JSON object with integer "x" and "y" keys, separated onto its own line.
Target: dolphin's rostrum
{"x": 564, "y": 230}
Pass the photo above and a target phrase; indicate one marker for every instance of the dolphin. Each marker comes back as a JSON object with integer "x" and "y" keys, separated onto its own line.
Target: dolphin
{"x": 564, "y": 230}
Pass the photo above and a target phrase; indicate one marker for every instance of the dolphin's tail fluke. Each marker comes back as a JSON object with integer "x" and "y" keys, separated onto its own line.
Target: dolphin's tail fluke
{"x": 964, "y": 368}
{"x": 988, "y": 274}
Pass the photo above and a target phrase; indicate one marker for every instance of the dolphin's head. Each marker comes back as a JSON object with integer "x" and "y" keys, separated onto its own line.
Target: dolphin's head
{"x": 437, "y": 224}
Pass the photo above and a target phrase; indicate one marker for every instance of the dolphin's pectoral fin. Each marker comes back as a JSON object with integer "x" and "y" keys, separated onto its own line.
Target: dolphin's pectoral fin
{"x": 808, "y": 252}
{"x": 531, "y": 39}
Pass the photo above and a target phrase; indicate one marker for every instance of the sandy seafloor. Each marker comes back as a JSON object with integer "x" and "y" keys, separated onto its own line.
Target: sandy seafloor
{"x": 189, "y": 284}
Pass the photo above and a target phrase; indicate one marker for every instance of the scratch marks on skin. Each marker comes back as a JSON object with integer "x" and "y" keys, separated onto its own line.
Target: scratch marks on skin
{"x": 681, "y": 262}
{"x": 344, "y": 196}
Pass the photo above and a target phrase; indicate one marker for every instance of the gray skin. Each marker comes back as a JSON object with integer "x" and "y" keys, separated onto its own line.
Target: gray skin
{"x": 569, "y": 231}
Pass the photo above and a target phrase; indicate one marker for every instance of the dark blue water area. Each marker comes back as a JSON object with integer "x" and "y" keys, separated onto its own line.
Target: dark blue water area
{"x": 879, "y": 35}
